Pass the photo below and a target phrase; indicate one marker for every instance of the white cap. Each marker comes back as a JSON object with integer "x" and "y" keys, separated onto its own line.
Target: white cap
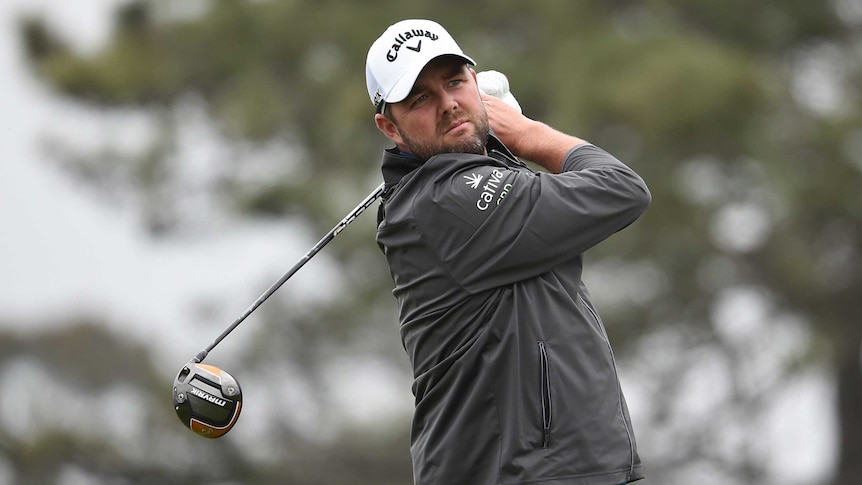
{"x": 398, "y": 56}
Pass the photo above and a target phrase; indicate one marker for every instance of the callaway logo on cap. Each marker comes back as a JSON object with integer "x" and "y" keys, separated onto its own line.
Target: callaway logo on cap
{"x": 397, "y": 57}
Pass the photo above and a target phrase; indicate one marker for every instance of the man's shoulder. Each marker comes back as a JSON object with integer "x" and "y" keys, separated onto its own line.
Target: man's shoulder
{"x": 465, "y": 185}
{"x": 456, "y": 166}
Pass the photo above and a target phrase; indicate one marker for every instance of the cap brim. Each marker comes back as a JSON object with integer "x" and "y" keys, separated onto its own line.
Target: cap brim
{"x": 403, "y": 86}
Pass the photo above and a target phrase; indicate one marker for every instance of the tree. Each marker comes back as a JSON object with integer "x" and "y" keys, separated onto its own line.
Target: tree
{"x": 743, "y": 119}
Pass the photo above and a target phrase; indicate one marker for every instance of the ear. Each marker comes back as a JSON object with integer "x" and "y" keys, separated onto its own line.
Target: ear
{"x": 475, "y": 79}
{"x": 388, "y": 128}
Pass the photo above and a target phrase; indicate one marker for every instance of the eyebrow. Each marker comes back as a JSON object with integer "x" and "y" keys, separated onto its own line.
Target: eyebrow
{"x": 454, "y": 71}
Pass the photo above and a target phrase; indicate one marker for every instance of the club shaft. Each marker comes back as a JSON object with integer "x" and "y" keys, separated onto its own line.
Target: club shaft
{"x": 373, "y": 196}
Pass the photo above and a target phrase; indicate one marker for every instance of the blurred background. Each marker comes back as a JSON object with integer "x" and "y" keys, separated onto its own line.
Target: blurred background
{"x": 163, "y": 162}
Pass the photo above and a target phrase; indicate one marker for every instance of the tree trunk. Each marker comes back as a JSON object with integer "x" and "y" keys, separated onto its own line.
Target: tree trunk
{"x": 849, "y": 467}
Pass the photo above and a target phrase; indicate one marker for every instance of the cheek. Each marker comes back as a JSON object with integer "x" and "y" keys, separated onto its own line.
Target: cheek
{"x": 418, "y": 127}
{"x": 476, "y": 105}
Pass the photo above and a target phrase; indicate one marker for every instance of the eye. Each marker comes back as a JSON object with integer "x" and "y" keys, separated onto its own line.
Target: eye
{"x": 419, "y": 99}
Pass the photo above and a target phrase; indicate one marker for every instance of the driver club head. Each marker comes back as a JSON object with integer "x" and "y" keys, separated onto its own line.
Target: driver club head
{"x": 207, "y": 399}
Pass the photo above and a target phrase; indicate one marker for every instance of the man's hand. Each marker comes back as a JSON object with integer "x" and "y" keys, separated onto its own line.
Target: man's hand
{"x": 528, "y": 139}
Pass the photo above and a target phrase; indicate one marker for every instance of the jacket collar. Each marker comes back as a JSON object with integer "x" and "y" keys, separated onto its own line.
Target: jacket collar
{"x": 396, "y": 164}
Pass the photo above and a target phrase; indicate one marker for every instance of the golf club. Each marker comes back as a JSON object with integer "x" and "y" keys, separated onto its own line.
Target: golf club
{"x": 207, "y": 399}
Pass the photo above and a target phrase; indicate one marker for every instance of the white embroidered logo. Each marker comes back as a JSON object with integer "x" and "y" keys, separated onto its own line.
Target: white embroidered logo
{"x": 473, "y": 180}
{"x": 493, "y": 190}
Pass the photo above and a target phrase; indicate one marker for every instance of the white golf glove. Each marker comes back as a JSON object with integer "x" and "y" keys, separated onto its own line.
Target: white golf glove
{"x": 494, "y": 83}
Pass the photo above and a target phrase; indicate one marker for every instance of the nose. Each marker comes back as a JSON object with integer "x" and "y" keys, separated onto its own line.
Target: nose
{"x": 448, "y": 102}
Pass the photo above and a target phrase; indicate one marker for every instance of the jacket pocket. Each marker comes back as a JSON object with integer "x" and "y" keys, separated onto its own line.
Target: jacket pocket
{"x": 545, "y": 389}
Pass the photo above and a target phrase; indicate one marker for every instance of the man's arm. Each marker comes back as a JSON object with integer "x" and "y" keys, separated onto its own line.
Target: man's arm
{"x": 529, "y": 139}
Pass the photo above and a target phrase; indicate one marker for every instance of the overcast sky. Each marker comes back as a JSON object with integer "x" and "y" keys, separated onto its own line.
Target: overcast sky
{"x": 65, "y": 250}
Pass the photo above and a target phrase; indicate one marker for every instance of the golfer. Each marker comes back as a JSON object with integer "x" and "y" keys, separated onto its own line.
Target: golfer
{"x": 515, "y": 380}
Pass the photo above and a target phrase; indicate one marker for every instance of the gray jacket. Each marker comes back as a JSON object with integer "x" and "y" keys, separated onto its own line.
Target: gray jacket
{"x": 515, "y": 380}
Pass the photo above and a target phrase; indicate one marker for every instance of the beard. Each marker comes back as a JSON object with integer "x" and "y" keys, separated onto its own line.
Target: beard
{"x": 473, "y": 144}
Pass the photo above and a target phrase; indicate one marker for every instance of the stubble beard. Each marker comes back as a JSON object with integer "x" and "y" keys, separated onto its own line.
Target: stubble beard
{"x": 473, "y": 144}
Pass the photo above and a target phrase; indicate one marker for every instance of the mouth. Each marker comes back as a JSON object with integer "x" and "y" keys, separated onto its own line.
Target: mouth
{"x": 456, "y": 125}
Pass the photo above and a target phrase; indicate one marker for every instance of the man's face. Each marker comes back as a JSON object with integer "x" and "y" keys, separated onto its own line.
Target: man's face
{"x": 442, "y": 114}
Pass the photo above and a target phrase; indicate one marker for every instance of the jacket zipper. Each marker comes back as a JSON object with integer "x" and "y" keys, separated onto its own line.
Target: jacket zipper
{"x": 546, "y": 395}
{"x": 505, "y": 157}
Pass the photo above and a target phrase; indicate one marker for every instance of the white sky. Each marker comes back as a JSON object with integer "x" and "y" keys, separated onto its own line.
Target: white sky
{"x": 64, "y": 251}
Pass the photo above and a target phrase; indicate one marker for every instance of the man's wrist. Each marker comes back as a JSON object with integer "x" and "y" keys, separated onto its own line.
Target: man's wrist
{"x": 544, "y": 146}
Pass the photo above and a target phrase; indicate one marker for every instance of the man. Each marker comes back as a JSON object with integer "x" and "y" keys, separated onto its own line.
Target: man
{"x": 515, "y": 381}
